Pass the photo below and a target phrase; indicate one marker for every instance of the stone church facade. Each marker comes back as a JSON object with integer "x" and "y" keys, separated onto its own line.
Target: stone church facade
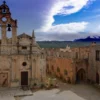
{"x": 22, "y": 61}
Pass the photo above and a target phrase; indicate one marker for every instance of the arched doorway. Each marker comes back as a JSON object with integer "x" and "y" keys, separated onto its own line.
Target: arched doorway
{"x": 81, "y": 76}
{"x": 97, "y": 78}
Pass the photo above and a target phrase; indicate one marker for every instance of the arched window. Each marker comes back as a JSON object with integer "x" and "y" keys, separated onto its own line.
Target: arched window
{"x": 52, "y": 68}
{"x": 4, "y": 10}
{"x": 97, "y": 55}
{"x": 58, "y": 69}
{"x": 76, "y": 55}
{"x": 42, "y": 55}
{"x": 65, "y": 72}
{"x": 47, "y": 68}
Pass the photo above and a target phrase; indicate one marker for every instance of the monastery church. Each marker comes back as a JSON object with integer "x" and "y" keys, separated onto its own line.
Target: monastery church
{"x": 22, "y": 61}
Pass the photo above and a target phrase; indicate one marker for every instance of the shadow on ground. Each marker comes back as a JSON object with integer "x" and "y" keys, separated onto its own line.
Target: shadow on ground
{"x": 85, "y": 91}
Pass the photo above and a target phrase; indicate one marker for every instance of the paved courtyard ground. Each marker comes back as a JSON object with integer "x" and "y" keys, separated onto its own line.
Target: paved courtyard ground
{"x": 9, "y": 93}
{"x": 65, "y": 92}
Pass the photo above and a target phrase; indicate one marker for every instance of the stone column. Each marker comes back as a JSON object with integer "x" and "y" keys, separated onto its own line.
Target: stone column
{"x": 34, "y": 69}
{"x": 3, "y": 37}
{"x": 14, "y": 35}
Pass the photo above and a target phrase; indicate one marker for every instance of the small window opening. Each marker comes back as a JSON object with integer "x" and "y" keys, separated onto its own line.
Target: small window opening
{"x": 24, "y": 63}
{"x": 24, "y": 47}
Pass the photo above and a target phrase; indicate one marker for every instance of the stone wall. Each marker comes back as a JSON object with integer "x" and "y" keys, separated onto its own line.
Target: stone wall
{"x": 62, "y": 68}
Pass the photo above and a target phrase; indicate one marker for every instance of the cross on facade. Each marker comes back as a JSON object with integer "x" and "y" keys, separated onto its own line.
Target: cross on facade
{"x": 4, "y": 2}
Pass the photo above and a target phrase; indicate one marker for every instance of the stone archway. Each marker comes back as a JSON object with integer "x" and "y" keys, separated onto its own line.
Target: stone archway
{"x": 81, "y": 75}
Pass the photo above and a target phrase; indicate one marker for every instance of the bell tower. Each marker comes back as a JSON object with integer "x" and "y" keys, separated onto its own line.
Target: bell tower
{"x": 7, "y": 24}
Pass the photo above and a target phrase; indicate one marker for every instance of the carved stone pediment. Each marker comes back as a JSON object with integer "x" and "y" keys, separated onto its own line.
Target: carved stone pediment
{"x": 24, "y": 36}
{"x": 24, "y": 41}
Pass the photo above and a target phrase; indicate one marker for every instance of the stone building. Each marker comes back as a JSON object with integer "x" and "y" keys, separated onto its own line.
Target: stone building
{"x": 22, "y": 61}
{"x": 94, "y": 64}
{"x": 60, "y": 64}
{"x": 82, "y": 64}
{"x": 87, "y": 63}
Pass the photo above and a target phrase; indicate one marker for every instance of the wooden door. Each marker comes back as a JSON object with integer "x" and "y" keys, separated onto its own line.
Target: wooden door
{"x": 24, "y": 78}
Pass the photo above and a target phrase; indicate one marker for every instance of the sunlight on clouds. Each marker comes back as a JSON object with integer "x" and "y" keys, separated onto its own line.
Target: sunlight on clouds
{"x": 77, "y": 5}
{"x": 62, "y": 7}
{"x": 68, "y": 28}
{"x": 62, "y": 31}
{"x": 39, "y": 15}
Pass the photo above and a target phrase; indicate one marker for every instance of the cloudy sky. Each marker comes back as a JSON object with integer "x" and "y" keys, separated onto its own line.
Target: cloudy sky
{"x": 56, "y": 19}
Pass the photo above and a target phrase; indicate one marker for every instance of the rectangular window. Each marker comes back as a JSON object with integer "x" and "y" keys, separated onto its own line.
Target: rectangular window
{"x": 24, "y": 47}
{"x": 97, "y": 55}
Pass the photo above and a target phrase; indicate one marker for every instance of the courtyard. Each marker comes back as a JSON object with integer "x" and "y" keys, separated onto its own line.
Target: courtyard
{"x": 64, "y": 92}
{"x": 67, "y": 92}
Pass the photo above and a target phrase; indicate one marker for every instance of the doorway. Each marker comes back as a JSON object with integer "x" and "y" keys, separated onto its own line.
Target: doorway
{"x": 24, "y": 78}
{"x": 81, "y": 76}
{"x": 97, "y": 78}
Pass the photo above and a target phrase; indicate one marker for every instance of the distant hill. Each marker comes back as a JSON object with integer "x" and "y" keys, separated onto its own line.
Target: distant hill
{"x": 76, "y": 43}
{"x": 89, "y": 39}
{"x": 63, "y": 44}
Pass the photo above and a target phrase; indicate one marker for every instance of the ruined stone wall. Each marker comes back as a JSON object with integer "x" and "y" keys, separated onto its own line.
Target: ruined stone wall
{"x": 62, "y": 68}
{"x": 94, "y": 65}
{"x": 80, "y": 52}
